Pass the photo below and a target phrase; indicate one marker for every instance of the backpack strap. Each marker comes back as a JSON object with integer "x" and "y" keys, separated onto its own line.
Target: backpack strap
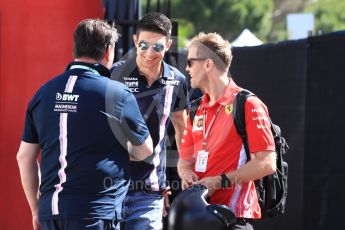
{"x": 194, "y": 106}
{"x": 239, "y": 117}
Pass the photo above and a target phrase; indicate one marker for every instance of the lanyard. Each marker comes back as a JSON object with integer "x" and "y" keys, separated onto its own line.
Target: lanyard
{"x": 204, "y": 131}
{"x": 85, "y": 67}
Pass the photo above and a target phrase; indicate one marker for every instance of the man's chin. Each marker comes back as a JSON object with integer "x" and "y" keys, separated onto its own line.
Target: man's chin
{"x": 194, "y": 85}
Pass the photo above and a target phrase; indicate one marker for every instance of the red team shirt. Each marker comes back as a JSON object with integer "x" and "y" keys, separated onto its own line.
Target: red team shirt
{"x": 225, "y": 147}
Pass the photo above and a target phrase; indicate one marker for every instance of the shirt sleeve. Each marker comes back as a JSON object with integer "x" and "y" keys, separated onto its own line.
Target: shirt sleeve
{"x": 132, "y": 122}
{"x": 186, "y": 150}
{"x": 258, "y": 126}
{"x": 182, "y": 99}
{"x": 124, "y": 115}
{"x": 30, "y": 134}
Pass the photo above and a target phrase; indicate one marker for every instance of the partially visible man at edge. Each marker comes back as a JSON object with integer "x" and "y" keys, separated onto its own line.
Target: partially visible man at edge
{"x": 82, "y": 123}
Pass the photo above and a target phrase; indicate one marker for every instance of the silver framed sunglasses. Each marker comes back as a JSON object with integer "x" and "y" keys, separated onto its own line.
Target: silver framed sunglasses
{"x": 157, "y": 47}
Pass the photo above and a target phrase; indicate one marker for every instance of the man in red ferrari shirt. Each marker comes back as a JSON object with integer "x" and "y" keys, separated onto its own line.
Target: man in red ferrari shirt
{"x": 212, "y": 152}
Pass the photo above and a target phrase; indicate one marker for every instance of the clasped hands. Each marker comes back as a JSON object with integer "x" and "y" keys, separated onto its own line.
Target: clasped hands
{"x": 212, "y": 183}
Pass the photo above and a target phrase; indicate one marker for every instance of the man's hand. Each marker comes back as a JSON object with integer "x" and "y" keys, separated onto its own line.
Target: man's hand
{"x": 189, "y": 178}
{"x": 166, "y": 203}
{"x": 211, "y": 183}
{"x": 35, "y": 222}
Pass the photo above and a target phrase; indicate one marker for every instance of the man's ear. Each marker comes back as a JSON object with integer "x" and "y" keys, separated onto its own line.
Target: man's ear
{"x": 169, "y": 42}
{"x": 135, "y": 39}
{"x": 108, "y": 58}
{"x": 209, "y": 64}
{"x": 107, "y": 53}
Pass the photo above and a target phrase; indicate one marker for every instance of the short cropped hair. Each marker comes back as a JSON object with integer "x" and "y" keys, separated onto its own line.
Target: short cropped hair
{"x": 155, "y": 22}
{"x": 93, "y": 37}
{"x": 213, "y": 46}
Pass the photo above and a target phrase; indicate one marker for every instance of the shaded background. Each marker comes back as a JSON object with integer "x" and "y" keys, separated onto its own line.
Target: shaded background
{"x": 300, "y": 81}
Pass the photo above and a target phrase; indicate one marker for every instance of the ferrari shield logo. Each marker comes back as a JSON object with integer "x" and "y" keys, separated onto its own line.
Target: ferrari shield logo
{"x": 228, "y": 109}
{"x": 197, "y": 124}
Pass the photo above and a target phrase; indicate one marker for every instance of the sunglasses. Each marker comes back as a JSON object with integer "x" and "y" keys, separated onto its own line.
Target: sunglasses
{"x": 158, "y": 47}
{"x": 190, "y": 61}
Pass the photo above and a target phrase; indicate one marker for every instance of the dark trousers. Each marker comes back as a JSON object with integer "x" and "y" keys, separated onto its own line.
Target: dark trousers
{"x": 78, "y": 224}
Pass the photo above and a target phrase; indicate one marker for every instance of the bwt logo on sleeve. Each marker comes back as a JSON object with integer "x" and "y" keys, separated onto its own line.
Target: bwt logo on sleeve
{"x": 67, "y": 97}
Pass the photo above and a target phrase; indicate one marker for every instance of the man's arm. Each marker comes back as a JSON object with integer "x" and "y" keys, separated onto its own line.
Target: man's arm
{"x": 29, "y": 174}
{"x": 140, "y": 152}
{"x": 179, "y": 121}
{"x": 185, "y": 171}
{"x": 129, "y": 126}
{"x": 261, "y": 164}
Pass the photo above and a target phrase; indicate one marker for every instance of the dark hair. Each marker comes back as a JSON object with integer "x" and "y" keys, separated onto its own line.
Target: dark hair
{"x": 155, "y": 22}
{"x": 92, "y": 38}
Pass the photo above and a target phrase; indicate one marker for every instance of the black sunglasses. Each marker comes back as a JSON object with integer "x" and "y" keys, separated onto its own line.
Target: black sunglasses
{"x": 158, "y": 47}
{"x": 190, "y": 60}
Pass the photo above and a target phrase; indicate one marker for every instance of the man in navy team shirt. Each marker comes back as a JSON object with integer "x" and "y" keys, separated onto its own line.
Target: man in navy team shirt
{"x": 84, "y": 125}
{"x": 161, "y": 92}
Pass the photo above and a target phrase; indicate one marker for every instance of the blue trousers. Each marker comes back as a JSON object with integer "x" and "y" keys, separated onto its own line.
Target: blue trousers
{"x": 142, "y": 210}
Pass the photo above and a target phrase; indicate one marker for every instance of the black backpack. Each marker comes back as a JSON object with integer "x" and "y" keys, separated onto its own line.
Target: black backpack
{"x": 271, "y": 189}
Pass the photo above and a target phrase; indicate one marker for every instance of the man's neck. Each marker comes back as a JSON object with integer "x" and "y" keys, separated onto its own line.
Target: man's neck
{"x": 216, "y": 88}
{"x": 86, "y": 60}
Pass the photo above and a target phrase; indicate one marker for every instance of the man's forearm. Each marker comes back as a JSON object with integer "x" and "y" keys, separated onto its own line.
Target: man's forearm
{"x": 184, "y": 166}
{"x": 260, "y": 166}
{"x": 140, "y": 152}
{"x": 179, "y": 121}
{"x": 29, "y": 173}
{"x": 30, "y": 182}
{"x": 178, "y": 138}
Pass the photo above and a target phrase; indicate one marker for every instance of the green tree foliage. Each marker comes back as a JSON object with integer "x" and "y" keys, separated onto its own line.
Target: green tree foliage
{"x": 185, "y": 30}
{"x": 329, "y": 14}
{"x": 279, "y": 25}
{"x": 227, "y": 17}
{"x": 265, "y": 18}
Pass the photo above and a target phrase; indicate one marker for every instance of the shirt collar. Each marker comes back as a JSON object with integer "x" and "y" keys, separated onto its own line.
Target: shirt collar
{"x": 100, "y": 69}
{"x": 228, "y": 97}
{"x": 166, "y": 74}
{"x": 166, "y": 71}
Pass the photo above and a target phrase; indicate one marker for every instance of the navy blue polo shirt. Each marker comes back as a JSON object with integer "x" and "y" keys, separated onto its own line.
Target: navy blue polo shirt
{"x": 169, "y": 93}
{"x": 81, "y": 120}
